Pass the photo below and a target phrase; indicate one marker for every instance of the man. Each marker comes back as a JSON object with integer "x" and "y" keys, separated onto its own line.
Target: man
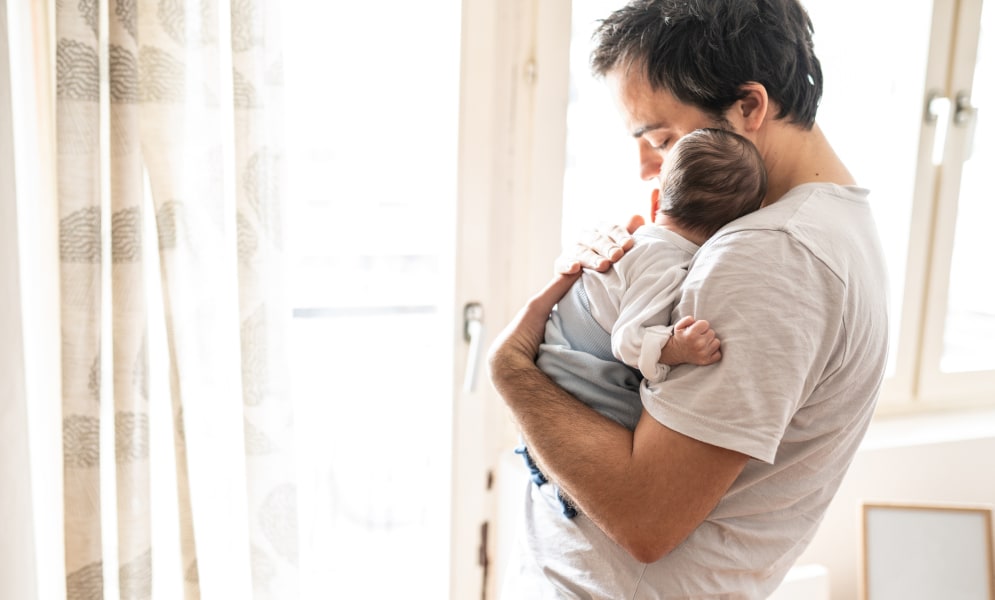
{"x": 725, "y": 478}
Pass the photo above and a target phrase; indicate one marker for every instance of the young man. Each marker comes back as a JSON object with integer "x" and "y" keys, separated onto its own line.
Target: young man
{"x": 729, "y": 472}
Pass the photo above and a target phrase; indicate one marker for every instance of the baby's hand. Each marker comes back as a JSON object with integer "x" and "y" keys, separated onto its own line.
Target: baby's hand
{"x": 693, "y": 342}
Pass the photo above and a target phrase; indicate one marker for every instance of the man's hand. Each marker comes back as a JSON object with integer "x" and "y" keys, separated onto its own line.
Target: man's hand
{"x": 598, "y": 249}
{"x": 694, "y": 342}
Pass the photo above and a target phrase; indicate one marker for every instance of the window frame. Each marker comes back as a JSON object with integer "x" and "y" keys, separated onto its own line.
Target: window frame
{"x": 937, "y": 389}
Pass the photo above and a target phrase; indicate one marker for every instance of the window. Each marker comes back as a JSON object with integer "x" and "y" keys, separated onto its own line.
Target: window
{"x": 601, "y": 182}
{"x": 959, "y": 312}
{"x": 371, "y": 165}
{"x": 970, "y": 306}
{"x": 924, "y": 172}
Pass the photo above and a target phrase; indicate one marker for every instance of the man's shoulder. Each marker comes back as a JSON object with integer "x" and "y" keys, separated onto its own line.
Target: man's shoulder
{"x": 808, "y": 208}
{"x": 832, "y": 223}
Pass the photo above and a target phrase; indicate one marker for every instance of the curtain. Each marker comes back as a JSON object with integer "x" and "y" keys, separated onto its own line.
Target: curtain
{"x": 167, "y": 111}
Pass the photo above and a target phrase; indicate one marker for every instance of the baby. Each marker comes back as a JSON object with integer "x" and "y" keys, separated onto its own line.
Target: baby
{"x": 609, "y": 341}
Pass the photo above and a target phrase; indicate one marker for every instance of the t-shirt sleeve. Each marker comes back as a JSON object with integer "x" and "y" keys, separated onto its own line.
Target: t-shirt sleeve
{"x": 778, "y": 311}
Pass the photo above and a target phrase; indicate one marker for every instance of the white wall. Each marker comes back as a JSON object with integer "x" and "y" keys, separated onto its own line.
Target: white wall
{"x": 939, "y": 459}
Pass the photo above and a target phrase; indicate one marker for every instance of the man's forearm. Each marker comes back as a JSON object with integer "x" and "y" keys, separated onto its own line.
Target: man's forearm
{"x": 586, "y": 453}
{"x": 577, "y": 447}
{"x": 646, "y": 489}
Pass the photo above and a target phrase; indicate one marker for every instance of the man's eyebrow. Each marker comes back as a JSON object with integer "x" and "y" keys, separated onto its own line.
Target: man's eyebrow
{"x": 642, "y": 130}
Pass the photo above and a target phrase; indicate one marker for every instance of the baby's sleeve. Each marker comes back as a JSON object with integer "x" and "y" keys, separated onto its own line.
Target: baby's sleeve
{"x": 643, "y": 325}
{"x": 654, "y": 339}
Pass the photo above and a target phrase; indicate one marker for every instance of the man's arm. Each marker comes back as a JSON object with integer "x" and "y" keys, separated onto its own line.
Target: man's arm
{"x": 647, "y": 489}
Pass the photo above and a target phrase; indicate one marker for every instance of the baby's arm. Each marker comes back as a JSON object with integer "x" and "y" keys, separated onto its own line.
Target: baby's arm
{"x": 693, "y": 341}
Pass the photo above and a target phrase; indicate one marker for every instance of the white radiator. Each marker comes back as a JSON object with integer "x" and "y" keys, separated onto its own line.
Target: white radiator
{"x": 804, "y": 582}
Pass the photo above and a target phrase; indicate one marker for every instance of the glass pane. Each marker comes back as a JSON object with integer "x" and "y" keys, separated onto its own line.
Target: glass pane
{"x": 602, "y": 179}
{"x": 371, "y": 122}
{"x": 855, "y": 68}
{"x": 601, "y": 183}
{"x": 970, "y": 323}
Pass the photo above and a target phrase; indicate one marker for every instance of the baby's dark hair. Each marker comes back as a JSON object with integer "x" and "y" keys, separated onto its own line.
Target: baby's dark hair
{"x": 714, "y": 176}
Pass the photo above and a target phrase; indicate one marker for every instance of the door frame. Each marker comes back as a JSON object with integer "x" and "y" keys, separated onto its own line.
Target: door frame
{"x": 514, "y": 84}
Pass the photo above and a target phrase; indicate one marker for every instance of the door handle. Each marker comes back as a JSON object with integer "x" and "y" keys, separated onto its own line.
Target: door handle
{"x": 473, "y": 333}
{"x": 936, "y": 106}
{"x": 936, "y": 111}
{"x": 963, "y": 110}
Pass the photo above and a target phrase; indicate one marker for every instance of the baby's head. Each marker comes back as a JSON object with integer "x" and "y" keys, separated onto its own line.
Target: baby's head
{"x": 711, "y": 177}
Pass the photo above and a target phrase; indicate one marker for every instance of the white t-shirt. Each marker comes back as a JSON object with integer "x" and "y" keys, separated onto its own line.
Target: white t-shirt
{"x": 797, "y": 293}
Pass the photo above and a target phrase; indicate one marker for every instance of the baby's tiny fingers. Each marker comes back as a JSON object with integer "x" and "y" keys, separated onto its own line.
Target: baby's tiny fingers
{"x": 684, "y": 323}
{"x": 701, "y": 327}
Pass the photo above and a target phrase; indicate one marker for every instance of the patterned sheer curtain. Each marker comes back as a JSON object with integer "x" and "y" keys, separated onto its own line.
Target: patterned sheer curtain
{"x": 168, "y": 110}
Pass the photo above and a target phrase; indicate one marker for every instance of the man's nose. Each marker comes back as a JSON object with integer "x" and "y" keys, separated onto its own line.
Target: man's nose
{"x": 650, "y": 161}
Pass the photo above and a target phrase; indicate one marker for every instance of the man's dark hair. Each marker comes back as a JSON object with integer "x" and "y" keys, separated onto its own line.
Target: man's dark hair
{"x": 703, "y": 51}
{"x": 713, "y": 177}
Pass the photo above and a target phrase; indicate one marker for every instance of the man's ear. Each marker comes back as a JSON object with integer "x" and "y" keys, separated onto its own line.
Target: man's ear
{"x": 753, "y": 108}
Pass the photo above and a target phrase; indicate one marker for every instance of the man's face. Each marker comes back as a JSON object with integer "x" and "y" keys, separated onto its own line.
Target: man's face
{"x": 655, "y": 118}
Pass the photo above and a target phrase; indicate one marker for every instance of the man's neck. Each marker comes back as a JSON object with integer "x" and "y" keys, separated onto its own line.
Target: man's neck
{"x": 796, "y": 156}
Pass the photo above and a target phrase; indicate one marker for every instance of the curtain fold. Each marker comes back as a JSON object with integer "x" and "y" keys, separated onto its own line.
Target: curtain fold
{"x": 257, "y": 76}
{"x": 78, "y": 126}
{"x": 182, "y": 146}
{"x": 129, "y": 314}
{"x": 146, "y": 101}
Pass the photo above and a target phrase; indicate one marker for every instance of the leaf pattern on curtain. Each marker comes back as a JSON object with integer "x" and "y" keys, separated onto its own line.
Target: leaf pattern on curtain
{"x": 123, "y": 74}
{"x": 81, "y": 441}
{"x": 162, "y": 77}
{"x": 86, "y": 583}
{"x": 136, "y": 577}
{"x": 89, "y": 11}
{"x": 79, "y": 236}
{"x": 165, "y": 115}
{"x": 126, "y": 11}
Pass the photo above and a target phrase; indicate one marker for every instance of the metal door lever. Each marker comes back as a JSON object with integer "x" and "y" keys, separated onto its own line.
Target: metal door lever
{"x": 473, "y": 332}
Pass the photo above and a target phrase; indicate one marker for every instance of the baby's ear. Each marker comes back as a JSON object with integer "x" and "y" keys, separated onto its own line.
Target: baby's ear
{"x": 654, "y": 204}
